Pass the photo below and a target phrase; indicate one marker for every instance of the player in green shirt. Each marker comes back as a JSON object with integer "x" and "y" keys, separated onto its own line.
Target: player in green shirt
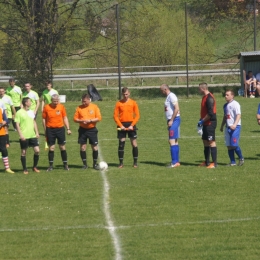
{"x": 15, "y": 93}
{"x": 28, "y": 133}
{"x": 47, "y": 94}
{"x": 10, "y": 111}
{"x": 34, "y": 97}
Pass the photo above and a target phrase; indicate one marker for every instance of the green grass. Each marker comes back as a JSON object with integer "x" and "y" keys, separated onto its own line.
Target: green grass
{"x": 183, "y": 213}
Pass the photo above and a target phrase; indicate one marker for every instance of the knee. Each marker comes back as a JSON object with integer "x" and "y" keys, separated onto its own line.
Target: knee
{"x": 121, "y": 145}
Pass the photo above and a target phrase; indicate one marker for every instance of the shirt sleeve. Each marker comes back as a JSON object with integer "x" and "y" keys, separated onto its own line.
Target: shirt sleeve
{"x": 137, "y": 114}
{"x": 116, "y": 115}
{"x": 210, "y": 106}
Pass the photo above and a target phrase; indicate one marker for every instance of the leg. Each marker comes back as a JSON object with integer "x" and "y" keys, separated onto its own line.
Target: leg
{"x": 95, "y": 156}
{"x": 63, "y": 153}
{"x": 121, "y": 147}
{"x": 36, "y": 150}
{"x": 83, "y": 155}
{"x": 134, "y": 150}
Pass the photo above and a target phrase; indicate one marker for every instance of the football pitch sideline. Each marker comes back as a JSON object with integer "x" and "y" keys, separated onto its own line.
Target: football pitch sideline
{"x": 149, "y": 212}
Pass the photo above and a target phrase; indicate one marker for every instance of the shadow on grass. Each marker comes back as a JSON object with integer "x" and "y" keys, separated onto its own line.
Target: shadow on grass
{"x": 153, "y": 163}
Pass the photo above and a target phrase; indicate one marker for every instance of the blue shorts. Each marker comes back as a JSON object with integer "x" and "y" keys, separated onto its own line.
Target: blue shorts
{"x": 232, "y": 136}
{"x": 174, "y": 130}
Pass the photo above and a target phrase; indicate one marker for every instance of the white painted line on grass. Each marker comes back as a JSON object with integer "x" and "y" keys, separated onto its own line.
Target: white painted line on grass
{"x": 110, "y": 224}
{"x": 51, "y": 228}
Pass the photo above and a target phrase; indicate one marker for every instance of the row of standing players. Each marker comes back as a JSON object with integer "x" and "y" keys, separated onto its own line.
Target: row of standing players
{"x": 126, "y": 115}
{"x": 21, "y": 109}
{"x": 206, "y": 126}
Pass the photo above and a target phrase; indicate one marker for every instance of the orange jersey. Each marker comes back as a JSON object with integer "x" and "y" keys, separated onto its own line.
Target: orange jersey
{"x": 2, "y": 129}
{"x": 87, "y": 113}
{"x": 54, "y": 115}
{"x": 126, "y": 112}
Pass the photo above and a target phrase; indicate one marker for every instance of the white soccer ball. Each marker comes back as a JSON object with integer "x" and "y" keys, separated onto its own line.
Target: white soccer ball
{"x": 103, "y": 166}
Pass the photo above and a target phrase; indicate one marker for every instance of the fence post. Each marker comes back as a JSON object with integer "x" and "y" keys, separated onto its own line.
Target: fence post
{"x": 211, "y": 78}
{"x": 142, "y": 81}
{"x": 107, "y": 82}
{"x": 177, "y": 80}
{"x": 72, "y": 84}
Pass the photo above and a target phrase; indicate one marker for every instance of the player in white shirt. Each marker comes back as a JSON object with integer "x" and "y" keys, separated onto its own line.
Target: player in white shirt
{"x": 232, "y": 120}
{"x": 172, "y": 114}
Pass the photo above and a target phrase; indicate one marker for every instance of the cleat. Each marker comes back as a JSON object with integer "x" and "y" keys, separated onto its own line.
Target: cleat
{"x": 135, "y": 165}
{"x": 231, "y": 164}
{"x": 173, "y": 165}
{"x": 120, "y": 166}
{"x": 241, "y": 162}
{"x": 25, "y": 171}
{"x": 35, "y": 169}
{"x": 66, "y": 168}
{"x": 84, "y": 167}
{"x": 49, "y": 169}
{"x": 211, "y": 166}
{"x": 9, "y": 171}
{"x": 96, "y": 167}
{"x": 202, "y": 164}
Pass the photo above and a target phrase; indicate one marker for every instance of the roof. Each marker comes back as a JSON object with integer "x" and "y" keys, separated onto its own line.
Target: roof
{"x": 249, "y": 53}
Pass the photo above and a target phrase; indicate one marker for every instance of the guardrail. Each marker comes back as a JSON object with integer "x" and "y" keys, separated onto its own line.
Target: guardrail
{"x": 140, "y": 75}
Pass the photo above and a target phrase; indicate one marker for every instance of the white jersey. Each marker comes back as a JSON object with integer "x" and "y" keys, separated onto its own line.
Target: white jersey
{"x": 2, "y": 105}
{"x": 231, "y": 110}
{"x": 257, "y": 76}
{"x": 169, "y": 105}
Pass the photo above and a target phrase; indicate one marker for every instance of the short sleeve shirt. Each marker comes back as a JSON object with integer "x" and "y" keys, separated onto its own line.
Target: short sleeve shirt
{"x": 15, "y": 94}
{"x": 46, "y": 95}
{"x": 26, "y": 122}
{"x": 33, "y": 97}
{"x": 169, "y": 107}
{"x": 231, "y": 110}
{"x": 54, "y": 116}
{"x": 7, "y": 101}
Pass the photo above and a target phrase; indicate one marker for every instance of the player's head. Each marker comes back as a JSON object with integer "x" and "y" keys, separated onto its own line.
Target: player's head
{"x": 229, "y": 95}
{"x": 125, "y": 93}
{"x": 12, "y": 82}
{"x": 85, "y": 99}
{"x": 250, "y": 73}
{"x": 26, "y": 102}
{"x": 27, "y": 86}
{"x": 203, "y": 88}
{"x": 2, "y": 91}
{"x": 165, "y": 89}
{"x": 55, "y": 99}
{"x": 48, "y": 84}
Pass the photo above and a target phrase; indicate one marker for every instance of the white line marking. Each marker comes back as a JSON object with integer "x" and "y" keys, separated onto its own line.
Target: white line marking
{"x": 213, "y": 221}
{"x": 111, "y": 227}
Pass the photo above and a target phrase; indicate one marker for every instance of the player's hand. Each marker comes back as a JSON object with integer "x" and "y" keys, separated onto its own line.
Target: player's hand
{"x": 122, "y": 127}
{"x": 130, "y": 127}
{"x": 201, "y": 122}
{"x": 170, "y": 123}
{"x": 233, "y": 127}
{"x": 37, "y": 135}
{"x": 68, "y": 132}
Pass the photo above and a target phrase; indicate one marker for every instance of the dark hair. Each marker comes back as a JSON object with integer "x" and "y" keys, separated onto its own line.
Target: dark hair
{"x": 231, "y": 91}
{"x": 124, "y": 89}
{"x": 25, "y": 100}
{"x": 47, "y": 82}
{"x": 85, "y": 96}
{"x": 11, "y": 80}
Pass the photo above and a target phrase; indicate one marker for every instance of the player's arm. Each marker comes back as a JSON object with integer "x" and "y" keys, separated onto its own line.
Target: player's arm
{"x": 210, "y": 107}
{"x": 176, "y": 110}
{"x": 258, "y": 114}
{"x": 223, "y": 123}
{"x": 42, "y": 103}
{"x": 19, "y": 130}
{"x": 116, "y": 116}
{"x": 238, "y": 117}
{"x": 36, "y": 129}
{"x": 77, "y": 116}
{"x": 66, "y": 123}
{"x": 37, "y": 105}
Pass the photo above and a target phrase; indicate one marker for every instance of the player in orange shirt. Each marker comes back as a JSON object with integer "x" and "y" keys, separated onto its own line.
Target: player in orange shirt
{"x": 54, "y": 118}
{"x": 126, "y": 115}
{"x": 87, "y": 115}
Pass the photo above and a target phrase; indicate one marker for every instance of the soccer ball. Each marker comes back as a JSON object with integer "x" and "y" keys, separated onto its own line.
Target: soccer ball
{"x": 103, "y": 166}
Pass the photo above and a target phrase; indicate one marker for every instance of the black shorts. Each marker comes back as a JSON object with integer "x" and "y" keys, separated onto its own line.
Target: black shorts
{"x": 55, "y": 133}
{"x": 3, "y": 140}
{"x": 31, "y": 142}
{"x": 130, "y": 134}
{"x": 85, "y": 134}
{"x": 209, "y": 131}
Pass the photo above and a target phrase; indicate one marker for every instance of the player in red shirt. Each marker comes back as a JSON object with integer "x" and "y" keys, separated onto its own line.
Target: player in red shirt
{"x": 126, "y": 115}
{"x": 87, "y": 115}
{"x": 54, "y": 118}
{"x": 208, "y": 120}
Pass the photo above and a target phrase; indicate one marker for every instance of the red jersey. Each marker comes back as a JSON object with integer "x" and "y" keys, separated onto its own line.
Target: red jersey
{"x": 208, "y": 107}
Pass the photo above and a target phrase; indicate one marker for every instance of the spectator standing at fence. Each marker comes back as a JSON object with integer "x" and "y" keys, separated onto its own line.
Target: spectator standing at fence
{"x": 10, "y": 111}
{"x": 34, "y": 97}
{"x": 88, "y": 115}
{"x": 28, "y": 133}
{"x": 172, "y": 113}
{"x": 15, "y": 93}
{"x": 54, "y": 119}
{"x": 232, "y": 120}
{"x": 208, "y": 122}
{"x": 126, "y": 115}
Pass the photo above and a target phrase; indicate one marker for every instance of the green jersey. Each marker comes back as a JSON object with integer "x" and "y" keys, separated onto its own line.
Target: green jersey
{"x": 33, "y": 97}
{"x": 15, "y": 94}
{"x": 8, "y": 104}
{"x": 26, "y": 122}
{"x": 47, "y": 94}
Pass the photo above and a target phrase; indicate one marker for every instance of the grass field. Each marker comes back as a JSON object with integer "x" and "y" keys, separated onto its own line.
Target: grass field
{"x": 146, "y": 213}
